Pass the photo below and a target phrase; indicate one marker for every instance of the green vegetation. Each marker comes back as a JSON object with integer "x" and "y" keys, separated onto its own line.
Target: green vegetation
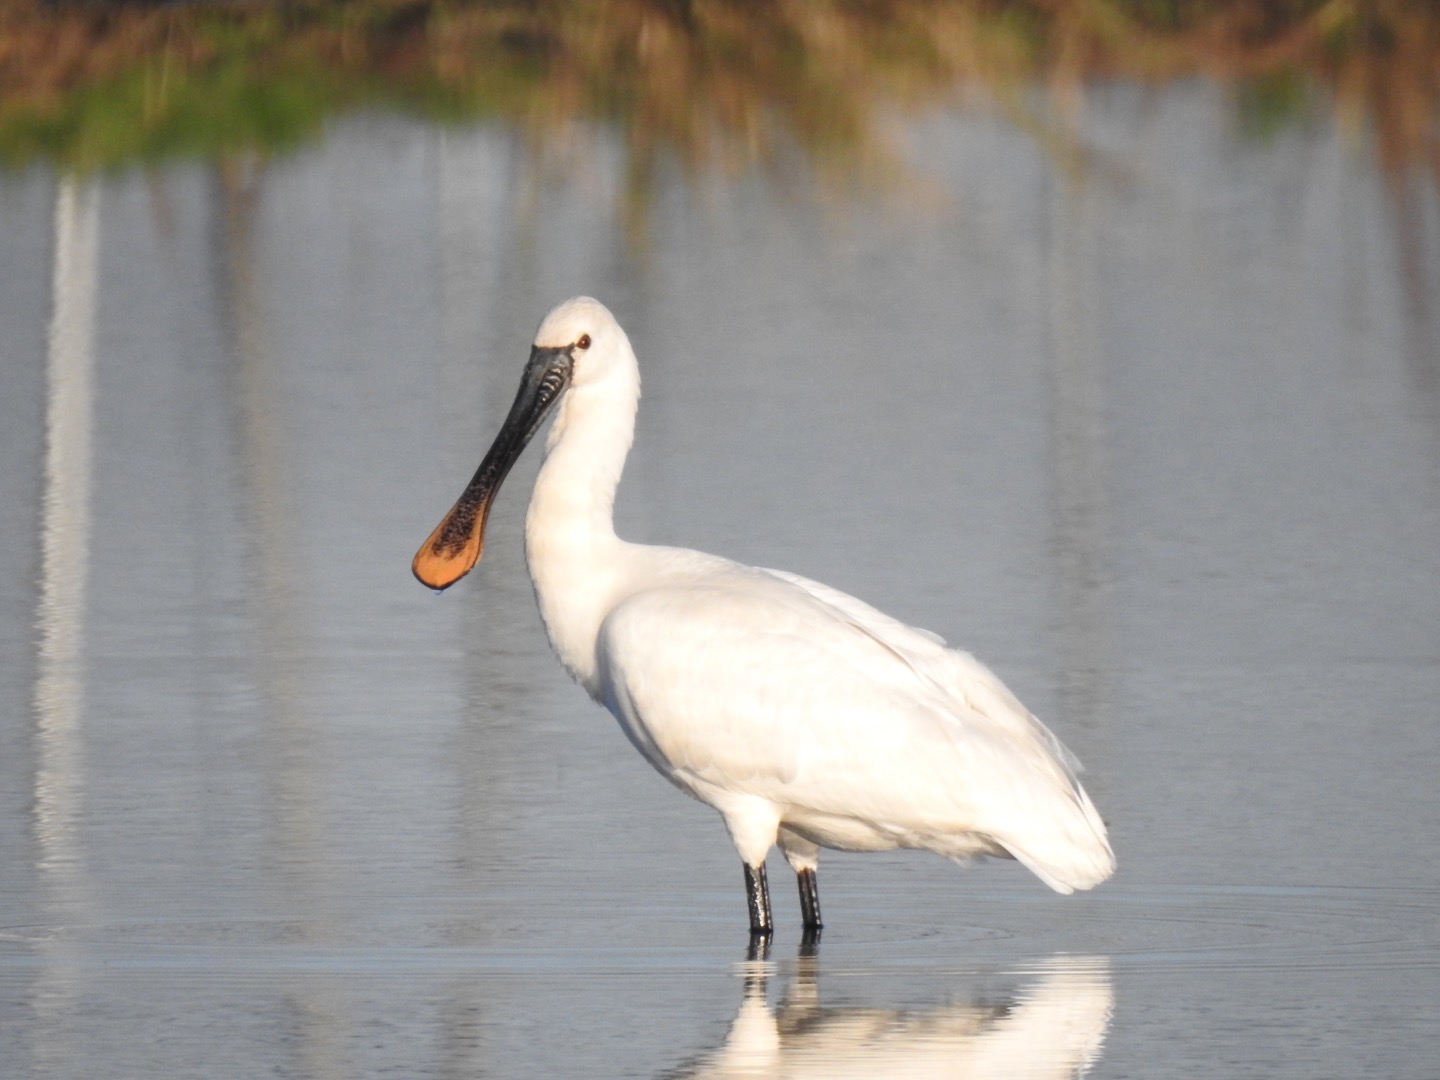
{"x": 712, "y": 84}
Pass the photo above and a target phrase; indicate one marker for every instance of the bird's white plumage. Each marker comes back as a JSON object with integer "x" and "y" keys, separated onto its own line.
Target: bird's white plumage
{"x": 802, "y": 714}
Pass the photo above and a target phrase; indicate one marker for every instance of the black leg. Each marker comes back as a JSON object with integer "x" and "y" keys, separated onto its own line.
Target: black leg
{"x": 757, "y": 891}
{"x": 809, "y": 943}
{"x": 809, "y": 899}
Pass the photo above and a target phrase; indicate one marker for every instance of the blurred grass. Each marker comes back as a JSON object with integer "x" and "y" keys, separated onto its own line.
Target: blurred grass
{"x": 710, "y": 84}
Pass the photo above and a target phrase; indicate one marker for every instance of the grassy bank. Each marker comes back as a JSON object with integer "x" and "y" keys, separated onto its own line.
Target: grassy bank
{"x": 713, "y": 83}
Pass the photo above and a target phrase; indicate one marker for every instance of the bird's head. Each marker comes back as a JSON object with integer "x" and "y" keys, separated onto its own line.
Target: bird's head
{"x": 578, "y": 344}
{"x": 583, "y": 330}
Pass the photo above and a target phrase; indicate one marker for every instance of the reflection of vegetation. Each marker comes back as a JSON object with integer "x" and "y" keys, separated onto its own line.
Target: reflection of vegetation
{"x": 724, "y": 84}
{"x": 1275, "y": 101}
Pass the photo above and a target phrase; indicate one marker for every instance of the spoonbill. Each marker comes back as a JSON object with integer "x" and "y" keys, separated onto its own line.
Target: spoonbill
{"x": 807, "y": 718}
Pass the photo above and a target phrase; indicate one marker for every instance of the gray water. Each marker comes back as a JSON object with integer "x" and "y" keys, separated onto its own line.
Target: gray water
{"x": 1157, "y": 438}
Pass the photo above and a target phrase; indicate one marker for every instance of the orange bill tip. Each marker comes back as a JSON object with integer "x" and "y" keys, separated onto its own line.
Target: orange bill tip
{"x": 452, "y": 550}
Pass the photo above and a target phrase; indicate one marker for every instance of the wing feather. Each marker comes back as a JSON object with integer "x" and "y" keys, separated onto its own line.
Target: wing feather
{"x": 766, "y": 683}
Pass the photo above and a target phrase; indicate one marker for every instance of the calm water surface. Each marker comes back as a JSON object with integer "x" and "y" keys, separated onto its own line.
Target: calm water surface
{"x": 1159, "y": 439}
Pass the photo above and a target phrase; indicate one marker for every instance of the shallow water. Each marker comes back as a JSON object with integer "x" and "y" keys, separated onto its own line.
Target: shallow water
{"x": 1158, "y": 440}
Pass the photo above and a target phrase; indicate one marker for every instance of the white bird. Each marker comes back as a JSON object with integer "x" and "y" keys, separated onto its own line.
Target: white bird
{"x": 807, "y": 718}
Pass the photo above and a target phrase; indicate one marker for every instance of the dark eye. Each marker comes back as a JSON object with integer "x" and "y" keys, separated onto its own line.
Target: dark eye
{"x": 584, "y": 342}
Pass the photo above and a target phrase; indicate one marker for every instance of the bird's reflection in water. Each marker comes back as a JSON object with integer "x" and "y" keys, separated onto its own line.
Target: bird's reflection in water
{"x": 1051, "y": 1024}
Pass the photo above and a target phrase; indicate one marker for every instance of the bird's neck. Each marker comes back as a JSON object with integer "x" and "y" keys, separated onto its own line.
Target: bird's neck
{"x": 575, "y": 558}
